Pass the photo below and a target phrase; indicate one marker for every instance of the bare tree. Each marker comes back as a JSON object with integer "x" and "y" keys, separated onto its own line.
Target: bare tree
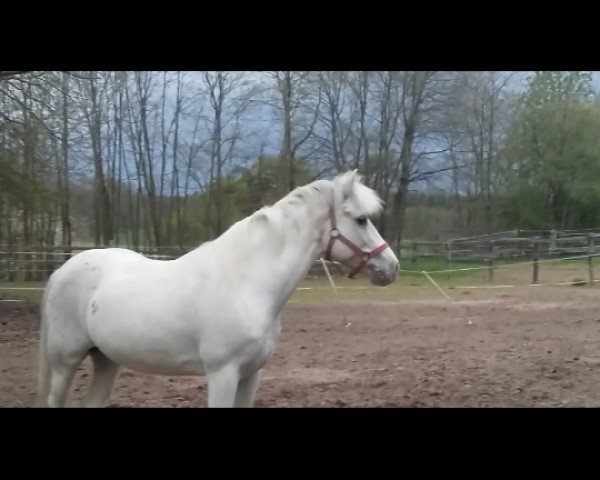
{"x": 478, "y": 116}
{"x": 407, "y": 106}
{"x": 335, "y": 134}
{"x": 63, "y": 165}
{"x": 298, "y": 104}
{"x": 228, "y": 100}
{"x": 93, "y": 90}
{"x": 175, "y": 194}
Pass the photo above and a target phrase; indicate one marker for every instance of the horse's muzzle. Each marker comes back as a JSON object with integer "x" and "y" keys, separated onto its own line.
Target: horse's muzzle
{"x": 381, "y": 277}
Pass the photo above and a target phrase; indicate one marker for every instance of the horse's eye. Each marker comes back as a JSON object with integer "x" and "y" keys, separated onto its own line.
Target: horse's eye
{"x": 362, "y": 221}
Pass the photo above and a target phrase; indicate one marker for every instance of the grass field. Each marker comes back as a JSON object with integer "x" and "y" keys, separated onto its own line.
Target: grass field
{"x": 411, "y": 283}
{"x": 21, "y": 291}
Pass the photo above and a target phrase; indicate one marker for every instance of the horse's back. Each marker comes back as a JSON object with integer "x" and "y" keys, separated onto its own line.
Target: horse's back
{"x": 93, "y": 264}
{"x": 69, "y": 287}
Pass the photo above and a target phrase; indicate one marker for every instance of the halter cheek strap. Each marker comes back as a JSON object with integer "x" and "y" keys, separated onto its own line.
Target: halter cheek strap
{"x": 365, "y": 256}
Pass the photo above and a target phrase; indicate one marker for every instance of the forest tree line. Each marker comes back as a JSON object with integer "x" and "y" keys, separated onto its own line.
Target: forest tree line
{"x": 174, "y": 158}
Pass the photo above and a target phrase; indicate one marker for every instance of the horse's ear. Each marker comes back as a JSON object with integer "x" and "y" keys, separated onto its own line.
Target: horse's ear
{"x": 346, "y": 182}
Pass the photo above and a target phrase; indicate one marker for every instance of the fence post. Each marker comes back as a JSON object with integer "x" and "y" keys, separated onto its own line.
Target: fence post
{"x": 10, "y": 263}
{"x": 590, "y": 257}
{"x": 448, "y": 247}
{"x": 413, "y": 257}
{"x": 553, "y": 235}
{"x": 3, "y": 265}
{"x": 490, "y": 262}
{"x": 535, "y": 262}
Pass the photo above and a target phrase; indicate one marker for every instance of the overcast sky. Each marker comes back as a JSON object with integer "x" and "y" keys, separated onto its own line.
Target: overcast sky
{"x": 266, "y": 126}
{"x": 262, "y": 128}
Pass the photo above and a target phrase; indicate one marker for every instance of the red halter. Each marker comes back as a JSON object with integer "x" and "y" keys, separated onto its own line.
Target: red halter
{"x": 362, "y": 254}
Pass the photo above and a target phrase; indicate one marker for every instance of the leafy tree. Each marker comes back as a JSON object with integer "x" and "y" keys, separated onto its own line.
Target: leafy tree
{"x": 553, "y": 155}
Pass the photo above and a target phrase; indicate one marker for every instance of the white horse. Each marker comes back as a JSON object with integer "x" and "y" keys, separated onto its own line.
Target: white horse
{"x": 215, "y": 311}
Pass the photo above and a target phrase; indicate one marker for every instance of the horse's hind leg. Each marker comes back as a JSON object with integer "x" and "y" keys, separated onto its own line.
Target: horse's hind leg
{"x": 61, "y": 376}
{"x": 106, "y": 373}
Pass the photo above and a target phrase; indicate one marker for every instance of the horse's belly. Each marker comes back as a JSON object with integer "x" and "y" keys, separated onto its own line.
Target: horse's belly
{"x": 146, "y": 336}
{"x": 153, "y": 359}
{"x": 163, "y": 367}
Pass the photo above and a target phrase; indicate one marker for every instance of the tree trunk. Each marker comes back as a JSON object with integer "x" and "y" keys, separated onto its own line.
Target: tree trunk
{"x": 63, "y": 171}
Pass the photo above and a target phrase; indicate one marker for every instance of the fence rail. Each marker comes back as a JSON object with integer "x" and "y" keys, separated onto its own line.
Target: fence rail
{"x": 511, "y": 245}
{"x": 37, "y": 262}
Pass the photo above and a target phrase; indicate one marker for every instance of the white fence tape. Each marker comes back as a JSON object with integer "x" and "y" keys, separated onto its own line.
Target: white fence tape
{"x": 426, "y": 273}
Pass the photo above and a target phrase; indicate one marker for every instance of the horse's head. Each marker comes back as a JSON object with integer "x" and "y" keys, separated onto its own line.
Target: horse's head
{"x": 352, "y": 239}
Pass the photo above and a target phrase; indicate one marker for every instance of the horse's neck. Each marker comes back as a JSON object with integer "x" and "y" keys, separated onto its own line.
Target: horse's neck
{"x": 302, "y": 246}
{"x": 280, "y": 259}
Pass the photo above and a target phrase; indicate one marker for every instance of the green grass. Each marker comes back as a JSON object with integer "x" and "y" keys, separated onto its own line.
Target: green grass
{"x": 7, "y": 292}
{"x": 406, "y": 286}
{"x": 436, "y": 265}
{"x": 409, "y": 285}
{"x": 577, "y": 262}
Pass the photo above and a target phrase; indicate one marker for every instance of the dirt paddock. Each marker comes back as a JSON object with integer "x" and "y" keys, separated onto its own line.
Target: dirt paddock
{"x": 530, "y": 347}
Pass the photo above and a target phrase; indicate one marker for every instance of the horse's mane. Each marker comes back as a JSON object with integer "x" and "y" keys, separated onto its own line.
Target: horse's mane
{"x": 274, "y": 222}
{"x": 357, "y": 198}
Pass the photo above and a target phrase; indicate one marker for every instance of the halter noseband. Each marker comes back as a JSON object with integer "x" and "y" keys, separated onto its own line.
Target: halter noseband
{"x": 365, "y": 256}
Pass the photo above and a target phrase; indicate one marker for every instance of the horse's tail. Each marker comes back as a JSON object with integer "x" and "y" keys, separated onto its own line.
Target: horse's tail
{"x": 44, "y": 371}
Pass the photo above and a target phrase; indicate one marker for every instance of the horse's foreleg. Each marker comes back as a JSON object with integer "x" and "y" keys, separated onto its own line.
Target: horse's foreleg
{"x": 222, "y": 387}
{"x": 247, "y": 390}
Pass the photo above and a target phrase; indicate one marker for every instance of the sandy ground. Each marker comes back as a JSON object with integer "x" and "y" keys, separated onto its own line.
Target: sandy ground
{"x": 525, "y": 347}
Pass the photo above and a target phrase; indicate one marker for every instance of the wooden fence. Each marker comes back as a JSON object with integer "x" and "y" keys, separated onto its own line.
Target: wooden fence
{"x": 511, "y": 246}
{"x": 37, "y": 262}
